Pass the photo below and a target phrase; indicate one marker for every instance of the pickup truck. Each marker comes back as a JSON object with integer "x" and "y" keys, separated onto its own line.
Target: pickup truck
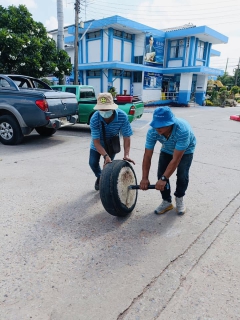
{"x": 87, "y": 100}
{"x": 27, "y": 103}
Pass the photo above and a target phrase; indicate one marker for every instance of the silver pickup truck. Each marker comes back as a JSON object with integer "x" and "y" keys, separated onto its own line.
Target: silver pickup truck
{"x": 27, "y": 103}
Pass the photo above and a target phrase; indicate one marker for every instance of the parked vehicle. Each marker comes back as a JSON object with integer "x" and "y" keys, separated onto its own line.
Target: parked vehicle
{"x": 27, "y": 103}
{"x": 87, "y": 100}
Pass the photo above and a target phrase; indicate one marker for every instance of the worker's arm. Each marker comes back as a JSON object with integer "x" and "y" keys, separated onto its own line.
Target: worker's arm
{"x": 146, "y": 164}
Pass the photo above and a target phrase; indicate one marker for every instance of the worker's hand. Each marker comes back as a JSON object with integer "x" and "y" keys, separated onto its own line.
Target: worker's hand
{"x": 107, "y": 160}
{"x": 144, "y": 184}
{"x": 160, "y": 185}
{"x": 128, "y": 159}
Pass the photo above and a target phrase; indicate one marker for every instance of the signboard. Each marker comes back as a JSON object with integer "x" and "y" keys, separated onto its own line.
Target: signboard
{"x": 154, "y": 50}
{"x": 152, "y": 81}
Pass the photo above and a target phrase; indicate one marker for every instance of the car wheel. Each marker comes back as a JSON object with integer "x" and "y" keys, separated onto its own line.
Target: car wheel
{"x": 10, "y": 131}
{"x": 46, "y": 132}
{"x": 115, "y": 179}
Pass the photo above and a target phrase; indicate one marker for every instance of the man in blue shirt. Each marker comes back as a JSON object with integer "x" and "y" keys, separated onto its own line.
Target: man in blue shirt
{"x": 114, "y": 121}
{"x": 178, "y": 145}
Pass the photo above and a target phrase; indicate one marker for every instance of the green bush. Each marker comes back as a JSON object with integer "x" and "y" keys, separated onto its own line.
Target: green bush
{"x": 223, "y": 89}
{"x": 238, "y": 101}
{"x": 208, "y": 103}
{"x": 235, "y": 89}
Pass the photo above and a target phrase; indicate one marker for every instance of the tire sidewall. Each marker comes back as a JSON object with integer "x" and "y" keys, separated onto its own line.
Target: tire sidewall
{"x": 17, "y": 132}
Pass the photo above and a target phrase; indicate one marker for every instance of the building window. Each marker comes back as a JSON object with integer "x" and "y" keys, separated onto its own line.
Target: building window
{"x": 127, "y": 74}
{"x": 200, "y": 50}
{"x": 116, "y": 72}
{"x": 137, "y": 76}
{"x": 94, "y": 73}
{"x": 117, "y": 33}
{"x": 128, "y": 36}
{"x": 93, "y": 35}
{"x": 177, "y": 49}
{"x": 138, "y": 59}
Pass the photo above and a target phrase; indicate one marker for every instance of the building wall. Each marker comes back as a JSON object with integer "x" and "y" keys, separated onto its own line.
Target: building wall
{"x": 175, "y": 63}
{"x": 94, "y": 51}
{"x": 127, "y": 52}
{"x": 117, "y": 49}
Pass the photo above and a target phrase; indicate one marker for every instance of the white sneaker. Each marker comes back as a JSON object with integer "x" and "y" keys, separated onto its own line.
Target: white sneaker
{"x": 164, "y": 207}
{"x": 180, "y": 206}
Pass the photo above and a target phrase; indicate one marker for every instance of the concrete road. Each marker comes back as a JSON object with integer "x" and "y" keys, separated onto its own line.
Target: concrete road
{"x": 64, "y": 258}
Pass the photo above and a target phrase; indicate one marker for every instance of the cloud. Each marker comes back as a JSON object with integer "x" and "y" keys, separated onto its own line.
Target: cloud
{"x": 51, "y": 23}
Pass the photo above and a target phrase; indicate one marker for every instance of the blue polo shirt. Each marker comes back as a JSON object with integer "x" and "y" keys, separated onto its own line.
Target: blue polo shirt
{"x": 119, "y": 124}
{"x": 181, "y": 138}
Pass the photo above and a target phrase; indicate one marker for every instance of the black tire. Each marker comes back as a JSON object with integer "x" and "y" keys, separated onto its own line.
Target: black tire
{"x": 115, "y": 196}
{"x": 10, "y": 131}
{"x": 46, "y": 132}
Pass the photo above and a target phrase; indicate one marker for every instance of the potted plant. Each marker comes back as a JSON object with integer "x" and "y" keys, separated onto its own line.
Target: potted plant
{"x": 113, "y": 91}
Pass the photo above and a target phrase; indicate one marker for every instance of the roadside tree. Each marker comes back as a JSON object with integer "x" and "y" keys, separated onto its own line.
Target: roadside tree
{"x": 26, "y": 48}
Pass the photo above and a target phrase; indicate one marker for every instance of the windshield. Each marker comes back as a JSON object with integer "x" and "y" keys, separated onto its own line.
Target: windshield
{"x": 87, "y": 93}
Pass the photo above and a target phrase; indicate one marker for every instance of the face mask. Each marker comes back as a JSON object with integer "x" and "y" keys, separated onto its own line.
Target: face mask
{"x": 106, "y": 114}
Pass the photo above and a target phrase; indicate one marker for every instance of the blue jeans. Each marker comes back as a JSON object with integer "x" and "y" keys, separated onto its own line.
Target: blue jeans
{"x": 182, "y": 174}
{"x": 94, "y": 160}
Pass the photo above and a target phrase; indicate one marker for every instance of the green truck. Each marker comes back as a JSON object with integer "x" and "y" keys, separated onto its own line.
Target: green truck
{"x": 86, "y": 98}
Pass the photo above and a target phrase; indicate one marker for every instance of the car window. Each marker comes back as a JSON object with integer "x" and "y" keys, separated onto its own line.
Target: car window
{"x": 72, "y": 90}
{"x": 4, "y": 83}
{"x": 87, "y": 93}
{"x": 57, "y": 88}
{"x": 40, "y": 84}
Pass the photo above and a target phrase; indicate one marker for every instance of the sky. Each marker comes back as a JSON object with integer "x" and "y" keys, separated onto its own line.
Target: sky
{"x": 220, "y": 15}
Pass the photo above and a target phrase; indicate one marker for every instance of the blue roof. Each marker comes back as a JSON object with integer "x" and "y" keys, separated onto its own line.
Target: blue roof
{"x": 204, "y": 33}
{"x": 117, "y": 22}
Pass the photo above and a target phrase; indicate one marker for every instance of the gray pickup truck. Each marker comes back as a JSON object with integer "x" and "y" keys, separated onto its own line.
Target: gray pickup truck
{"x": 27, "y": 103}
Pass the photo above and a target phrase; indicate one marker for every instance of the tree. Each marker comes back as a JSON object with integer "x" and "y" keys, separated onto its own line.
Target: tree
{"x": 226, "y": 80}
{"x": 26, "y": 48}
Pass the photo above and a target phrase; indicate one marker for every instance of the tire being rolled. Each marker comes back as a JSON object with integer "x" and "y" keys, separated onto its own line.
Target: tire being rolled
{"x": 115, "y": 179}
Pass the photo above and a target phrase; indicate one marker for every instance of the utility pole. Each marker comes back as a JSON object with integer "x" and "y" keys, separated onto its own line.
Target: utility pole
{"x": 236, "y": 73}
{"x": 226, "y": 66}
{"x": 76, "y": 43}
{"x": 60, "y": 35}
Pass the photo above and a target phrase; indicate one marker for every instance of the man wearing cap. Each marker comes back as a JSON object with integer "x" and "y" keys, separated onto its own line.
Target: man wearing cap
{"x": 115, "y": 121}
{"x": 178, "y": 144}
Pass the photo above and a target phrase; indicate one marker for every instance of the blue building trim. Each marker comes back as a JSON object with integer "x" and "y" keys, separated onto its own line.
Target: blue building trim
{"x": 196, "y": 31}
{"x": 184, "y": 96}
{"x": 191, "y": 51}
{"x": 168, "y": 52}
{"x": 200, "y": 97}
{"x": 101, "y": 56}
{"x": 101, "y": 81}
{"x": 215, "y": 53}
{"x": 110, "y": 78}
{"x": 122, "y": 50}
{"x": 184, "y": 51}
{"x": 205, "y": 54}
{"x": 110, "y": 44}
{"x": 117, "y": 20}
{"x": 209, "y": 54}
{"x": 195, "y": 52}
{"x": 133, "y": 48}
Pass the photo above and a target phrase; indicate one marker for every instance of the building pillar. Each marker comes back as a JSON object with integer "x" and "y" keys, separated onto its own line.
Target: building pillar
{"x": 185, "y": 88}
{"x": 201, "y": 87}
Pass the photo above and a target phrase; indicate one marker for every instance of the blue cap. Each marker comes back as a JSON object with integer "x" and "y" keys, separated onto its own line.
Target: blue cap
{"x": 162, "y": 117}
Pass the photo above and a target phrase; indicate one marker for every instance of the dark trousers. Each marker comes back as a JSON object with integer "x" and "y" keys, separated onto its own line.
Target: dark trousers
{"x": 182, "y": 174}
{"x": 94, "y": 159}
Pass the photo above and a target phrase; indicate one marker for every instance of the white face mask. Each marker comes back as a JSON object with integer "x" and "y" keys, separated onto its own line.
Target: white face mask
{"x": 106, "y": 114}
